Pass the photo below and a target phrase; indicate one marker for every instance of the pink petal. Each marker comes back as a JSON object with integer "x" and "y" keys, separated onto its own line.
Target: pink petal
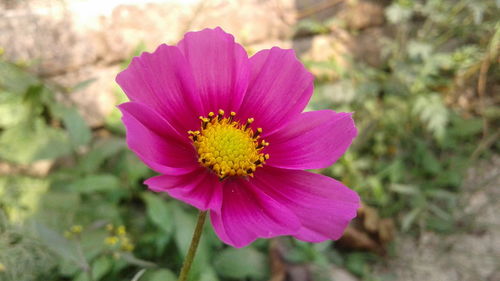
{"x": 247, "y": 214}
{"x": 315, "y": 140}
{"x": 220, "y": 68}
{"x": 323, "y": 205}
{"x": 200, "y": 188}
{"x": 163, "y": 80}
{"x": 279, "y": 89}
{"x": 155, "y": 142}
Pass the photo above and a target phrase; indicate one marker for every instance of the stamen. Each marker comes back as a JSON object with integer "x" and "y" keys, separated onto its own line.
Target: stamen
{"x": 211, "y": 116}
{"x": 262, "y": 144}
{"x": 249, "y": 121}
{"x": 257, "y": 133}
{"x": 204, "y": 122}
{"x": 228, "y": 147}
{"x": 221, "y": 114}
{"x": 231, "y": 117}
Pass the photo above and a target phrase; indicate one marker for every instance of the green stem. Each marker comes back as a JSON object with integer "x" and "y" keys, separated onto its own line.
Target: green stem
{"x": 186, "y": 266}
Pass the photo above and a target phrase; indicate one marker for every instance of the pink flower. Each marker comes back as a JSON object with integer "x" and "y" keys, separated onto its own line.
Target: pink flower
{"x": 227, "y": 134}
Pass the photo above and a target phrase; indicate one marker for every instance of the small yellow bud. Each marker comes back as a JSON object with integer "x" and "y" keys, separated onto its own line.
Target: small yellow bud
{"x": 2, "y": 267}
{"x": 111, "y": 240}
{"x": 109, "y": 227}
{"x": 68, "y": 234}
{"x": 76, "y": 229}
{"x": 121, "y": 230}
{"x": 128, "y": 247}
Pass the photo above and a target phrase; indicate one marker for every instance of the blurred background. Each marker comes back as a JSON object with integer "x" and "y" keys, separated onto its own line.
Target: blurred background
{"x": 422, "y": 77}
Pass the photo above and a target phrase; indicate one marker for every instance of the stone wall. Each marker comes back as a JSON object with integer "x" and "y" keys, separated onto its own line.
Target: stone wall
{"x": 70, "y": 41}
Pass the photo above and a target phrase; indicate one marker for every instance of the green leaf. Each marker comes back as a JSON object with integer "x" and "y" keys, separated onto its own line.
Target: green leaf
{"x": 241, "y": 263}
{"x": 208, "y": 274}
{"x": 15, "y": 79}
{"x": 28, "y": 142}
{"x": 133, "y": 167}
{"x": 95, "y": 183}
{"x": 138, "y": 275}
{"x": 397, "y": 13}
{"x": 100, "y": 267}
{"x": 357, "y": 263}
{"x": 409, "y": 219}
{"x": 68, "y": 268}
{"x": 58, "y": 244}
{"x": 406, "y": 189}
{"x": 161, "y": 275}
{"x": 12, "y": 110}
{"x": 79, "y": 132}
{"x": 102, "y": 150}
{"x": 92, "y": 242}
{"x": 433, "y": 113}
{"x": 82, "y": 85}
{"x": 184, "y": 228}
{"x": 131, "y": 259}
{"x": 159, "y": 212}
{"x": 430, "y": 163}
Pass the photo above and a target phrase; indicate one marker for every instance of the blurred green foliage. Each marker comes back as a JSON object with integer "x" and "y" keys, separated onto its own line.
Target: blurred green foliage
{"x": 92, "y": 219}
{"x": 414, "y": 147}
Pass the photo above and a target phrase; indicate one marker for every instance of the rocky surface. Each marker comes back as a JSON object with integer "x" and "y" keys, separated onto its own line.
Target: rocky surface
{"x": 98, "y": 98}
{"x": 71, "y": 41}
{"x": 65, "y": 35}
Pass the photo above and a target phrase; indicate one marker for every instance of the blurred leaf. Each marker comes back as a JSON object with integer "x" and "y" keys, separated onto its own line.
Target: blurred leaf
{"x": 15, "y": 79}
{"x": 102, "y": 150}
{"x": 58, "y": 244}
{"x": 405, "y": 189}
{"x": 430, "y": 163}
{"x": 82, "y": 85}
{"x": 68, "y": 268}
{"x": 241, "y": 263}
{"x": 101, "y": 267}
{"x": 95, "y": 183}
{"x": 26, "y": 143}
{"x": 184, "y": 228}
{"x": 92, "y": 243}
{"x": 54, "y": 206}
{"x": 357, "y": 263}
{"x": 131, "y": 259}
{"x": 466, "y": 128}
{"x": 433, "y": 113}
{"x": 161, "y": 275}
{"x": 159, "y": 212}
{"x": 12, "y": 109}
{"x": 397, "y": 13}
{"x": 208, "y": 274}
{"x": 133, "y": 167}
{"x": 419, "y": 50}
{"x": 298, "y": 255}
{"x": 138, "y": 275}
{"x": 312, "y": 26}
{"x": 409, "y": 218}
{"x": 440, "y": 225}
{"x": 79, "y": 132}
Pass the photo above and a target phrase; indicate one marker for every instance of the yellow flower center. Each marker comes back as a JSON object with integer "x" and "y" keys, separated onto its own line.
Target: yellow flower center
{"x": 228, "y": 147}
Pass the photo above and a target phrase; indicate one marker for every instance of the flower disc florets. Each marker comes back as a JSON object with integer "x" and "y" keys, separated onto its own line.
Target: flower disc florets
{"x": 228, "y": 147}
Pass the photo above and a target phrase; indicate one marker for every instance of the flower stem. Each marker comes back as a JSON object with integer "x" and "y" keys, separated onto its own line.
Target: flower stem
{"x": 186, "y": 266}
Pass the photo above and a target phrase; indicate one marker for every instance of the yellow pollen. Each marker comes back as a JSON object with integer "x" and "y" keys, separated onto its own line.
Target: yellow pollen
{"x": 228, "y": 147}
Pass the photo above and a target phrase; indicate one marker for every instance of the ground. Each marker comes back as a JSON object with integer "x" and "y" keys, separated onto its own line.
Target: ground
{"x": 472, "y": 253}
